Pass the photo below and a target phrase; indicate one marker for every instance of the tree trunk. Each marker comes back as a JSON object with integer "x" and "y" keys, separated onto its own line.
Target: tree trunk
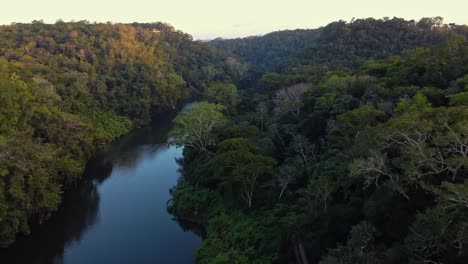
{"x": 282, "y": 190}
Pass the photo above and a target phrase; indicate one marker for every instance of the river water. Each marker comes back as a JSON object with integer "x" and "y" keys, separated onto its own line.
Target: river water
{"x": 118, "y": 212}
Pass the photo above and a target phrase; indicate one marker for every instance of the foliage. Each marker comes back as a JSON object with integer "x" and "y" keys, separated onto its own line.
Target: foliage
{"x": 195, "y": 126}
{"x": 359, "y": 156}
{"x": 270, "y": 50}
{"x": 288, "y": 100}
{"x": 67, "y": 89}
{"x": 354, "y": 150}
{"x": 222, "y": 93}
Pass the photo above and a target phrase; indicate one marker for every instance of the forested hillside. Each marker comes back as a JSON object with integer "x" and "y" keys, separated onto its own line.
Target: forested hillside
{"x": 356, "y": 152}
{"x": 269, "y": 51}
{"x": 67, "y": 89}
{"x": 346, "y": 144}
{"x": 340, "y": 45}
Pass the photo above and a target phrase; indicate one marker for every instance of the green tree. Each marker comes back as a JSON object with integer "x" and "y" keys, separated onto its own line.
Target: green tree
{"x": 287, "y": 174}
{"x": 440, "y": 234}
{"x": 359, "y": 248}
{"x": 459, "y": 99}
{"x": 418, "y": 102}
{"x": 238, "y": 162}
{"x": 319, "y": 192}
{"x": 222, "y": 93}
{"x": 195, "y": 126}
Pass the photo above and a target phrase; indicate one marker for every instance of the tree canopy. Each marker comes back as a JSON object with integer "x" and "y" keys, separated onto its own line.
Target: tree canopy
{"x": 68, "y": 89}
{"x": 360, "y": 151}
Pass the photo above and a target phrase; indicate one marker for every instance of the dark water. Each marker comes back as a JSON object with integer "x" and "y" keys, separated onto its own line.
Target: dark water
{"x": 117, "y": 214}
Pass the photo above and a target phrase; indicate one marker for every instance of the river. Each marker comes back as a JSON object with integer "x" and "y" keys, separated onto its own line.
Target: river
{"x": 118, "y": 212}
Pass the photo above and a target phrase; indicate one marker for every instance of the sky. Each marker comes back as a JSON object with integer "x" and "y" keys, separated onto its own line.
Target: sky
{"x": 208, "y": 19}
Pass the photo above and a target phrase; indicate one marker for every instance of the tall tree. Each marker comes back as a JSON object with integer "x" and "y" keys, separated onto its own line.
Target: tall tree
{"x": 195, "y": 126}
{"x": 289, "y": 100}
{"x": 222, "y": 93}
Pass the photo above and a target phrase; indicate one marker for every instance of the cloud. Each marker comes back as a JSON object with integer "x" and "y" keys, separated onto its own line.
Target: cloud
{"x": 242, "y": 25}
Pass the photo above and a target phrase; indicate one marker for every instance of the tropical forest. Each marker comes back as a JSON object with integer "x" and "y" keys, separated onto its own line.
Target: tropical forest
{"x": 343, "y": 144}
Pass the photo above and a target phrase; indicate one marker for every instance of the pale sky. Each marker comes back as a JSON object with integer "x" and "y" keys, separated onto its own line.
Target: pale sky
{"x": 207, "y": 19}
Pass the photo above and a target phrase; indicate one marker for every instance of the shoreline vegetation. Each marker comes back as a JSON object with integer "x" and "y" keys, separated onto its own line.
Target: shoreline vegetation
{"x": 352, "y": 150}
{"x": 67, "y": 89}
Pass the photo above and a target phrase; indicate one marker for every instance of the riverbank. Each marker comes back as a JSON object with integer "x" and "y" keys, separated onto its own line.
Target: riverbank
{"x": 118, "y": 212}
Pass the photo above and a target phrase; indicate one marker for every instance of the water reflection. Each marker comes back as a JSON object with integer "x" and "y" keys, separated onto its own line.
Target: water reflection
{"x": 121, "y": 218}
{"x": 47, "y": 242}
{"x": 128, "y": 151}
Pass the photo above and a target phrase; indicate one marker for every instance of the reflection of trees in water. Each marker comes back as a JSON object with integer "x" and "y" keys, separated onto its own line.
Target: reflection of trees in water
{"x": 80, "y": 205}
{"x": 127, "y": 152}
{"x": 47, "y": 242}
{"x": 195, "y": 228}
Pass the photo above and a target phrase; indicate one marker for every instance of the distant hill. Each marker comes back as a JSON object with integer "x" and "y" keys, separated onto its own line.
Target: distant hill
{"x": 341, "y": 45}
{"x": 269, "y": 50}
{"x": 347, "y": 45}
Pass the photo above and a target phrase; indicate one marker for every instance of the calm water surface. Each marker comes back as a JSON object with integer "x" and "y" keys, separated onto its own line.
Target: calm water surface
{"x": 118, "y": 213}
